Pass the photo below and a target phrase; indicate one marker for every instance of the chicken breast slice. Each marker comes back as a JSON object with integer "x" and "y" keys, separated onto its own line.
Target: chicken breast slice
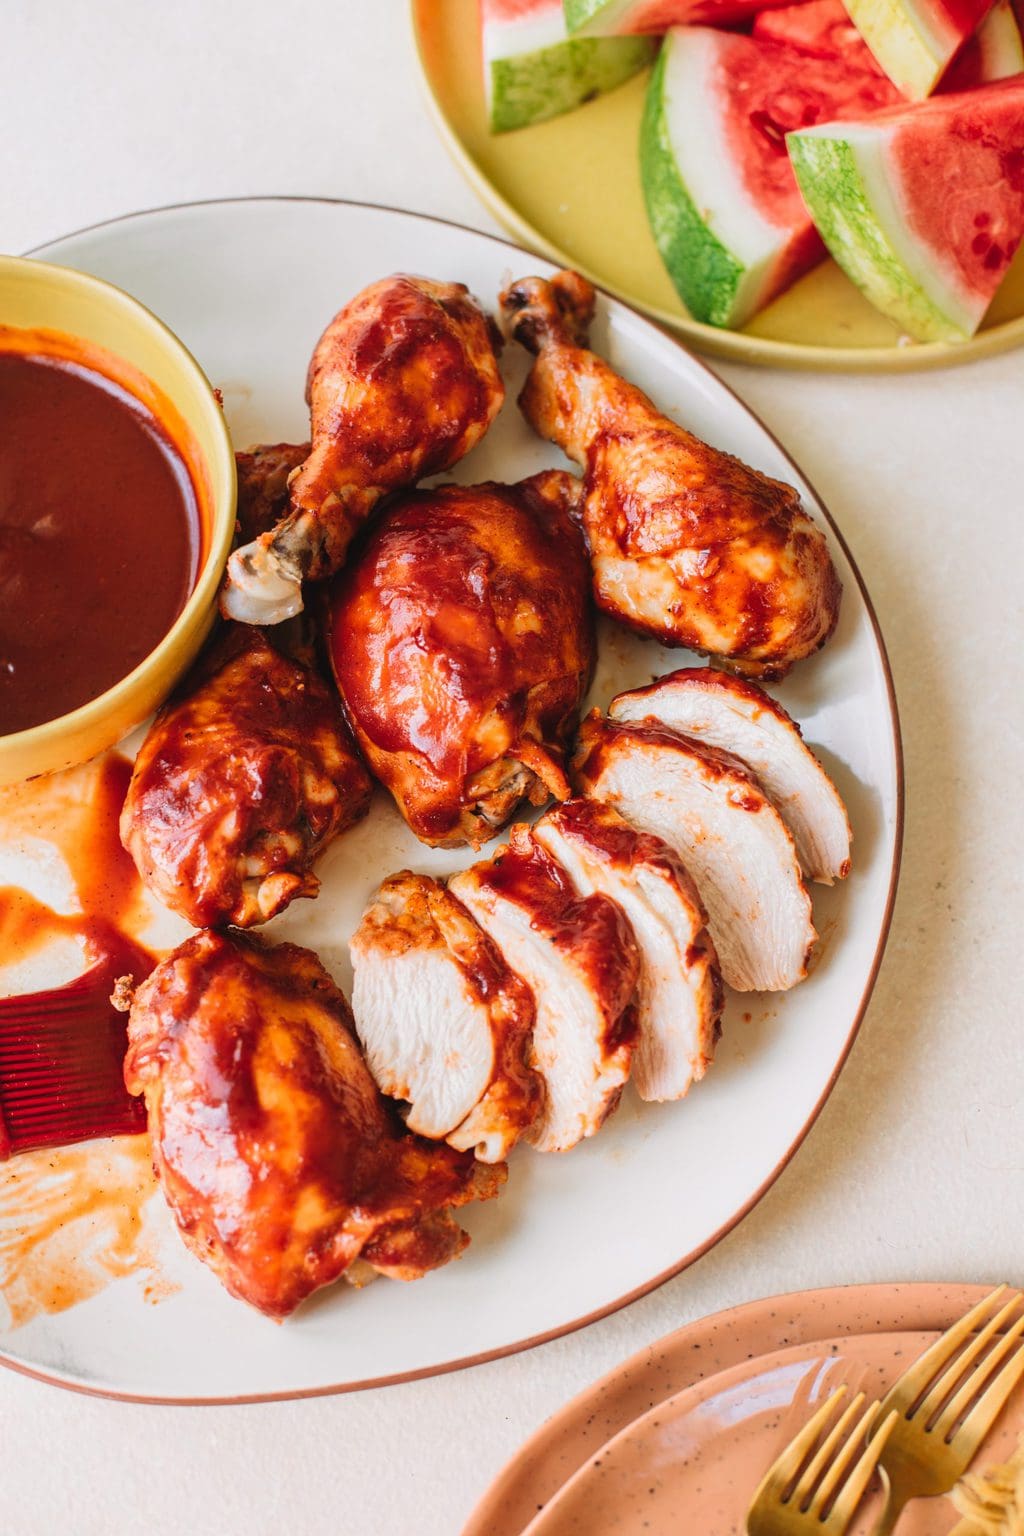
{"x": 444, "y": 1023}
{"x": 580, "y": 960}
{"x": 724, "y": 711}
{"x": 679, "y": 992}
{"x": 708, "y": 807}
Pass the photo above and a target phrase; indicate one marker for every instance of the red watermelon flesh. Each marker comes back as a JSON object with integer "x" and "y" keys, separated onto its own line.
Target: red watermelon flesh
{"x": 959, "y": 164}
{"x": 619, "y": 17}
{"x": 923, "y": 205}
{"x": 768, "y": 90}
{"x": 822, "y": 29}
{"x": 516, "y": 10}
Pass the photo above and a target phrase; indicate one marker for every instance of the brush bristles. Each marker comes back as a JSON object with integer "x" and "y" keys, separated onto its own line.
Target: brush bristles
{"x": 61, "y": 1060}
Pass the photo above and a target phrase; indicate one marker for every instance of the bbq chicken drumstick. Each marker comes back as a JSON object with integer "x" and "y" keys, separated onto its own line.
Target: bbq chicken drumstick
{"x": 688, "y": 544}
{"x": 280, "y": 1160}
{"x": 402, "y": 384}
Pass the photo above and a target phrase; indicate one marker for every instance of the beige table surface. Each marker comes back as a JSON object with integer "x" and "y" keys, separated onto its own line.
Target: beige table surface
{"x": 915, "y": 1168}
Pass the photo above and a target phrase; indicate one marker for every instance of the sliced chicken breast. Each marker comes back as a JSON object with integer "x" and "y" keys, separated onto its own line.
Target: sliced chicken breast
{"x": 708, "y": 807}
{"x": 580, "y": 960}
{"x": 444, "y": 1023}
{"x": 724, "y": 711}
{"x": 679, "y": 992}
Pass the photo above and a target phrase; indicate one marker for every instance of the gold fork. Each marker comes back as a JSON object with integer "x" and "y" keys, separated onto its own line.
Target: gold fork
{"x": 946, "y": 1403}
{"x": 821, "y": 1497}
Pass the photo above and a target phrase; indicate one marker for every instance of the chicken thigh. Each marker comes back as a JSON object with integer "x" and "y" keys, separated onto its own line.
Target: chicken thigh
{"x": 688, "y": 544}
{"x": 280, "y": 1160}
{"x": 245, "y": 776}
{"x": 402, "y": 384}
{"x": 462, "y": 640}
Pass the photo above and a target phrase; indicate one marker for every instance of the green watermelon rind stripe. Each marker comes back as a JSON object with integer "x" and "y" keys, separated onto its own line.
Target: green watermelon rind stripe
{"x": 833, "y": 188}
{"x": 579, "y": 13}
{"x": 706, "y": 275}
{"x": 531, "y": 87}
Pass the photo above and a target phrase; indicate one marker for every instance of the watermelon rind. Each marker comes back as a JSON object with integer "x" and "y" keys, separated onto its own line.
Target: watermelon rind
{"x": 536, "y": 71}
{"x": 719, "y": 257}
{"x": 604, "y": 18}
{"x": 910, "y": 44}
{"x": 1000, "y": 42}
{"x": 842, "y": 174}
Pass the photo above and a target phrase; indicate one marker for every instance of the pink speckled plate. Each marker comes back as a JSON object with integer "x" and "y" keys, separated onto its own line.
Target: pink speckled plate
{"x": 694, "y": 1462}
{"x": 720, "y": 1390}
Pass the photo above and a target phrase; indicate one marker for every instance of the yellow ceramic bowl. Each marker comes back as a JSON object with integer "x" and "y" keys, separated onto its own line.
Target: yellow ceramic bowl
{"x": 97, "y": 324}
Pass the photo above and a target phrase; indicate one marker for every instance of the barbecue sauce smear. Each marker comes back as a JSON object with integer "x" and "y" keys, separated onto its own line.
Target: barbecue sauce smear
{"x": 74, "y": 1218}
{"x": 99, "y": 536}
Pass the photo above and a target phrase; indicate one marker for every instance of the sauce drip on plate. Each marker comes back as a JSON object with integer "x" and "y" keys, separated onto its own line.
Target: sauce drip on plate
{"x": 83, "y": 828}
{"x": 72, "y": 1220}
{"x": 99, "y": 536}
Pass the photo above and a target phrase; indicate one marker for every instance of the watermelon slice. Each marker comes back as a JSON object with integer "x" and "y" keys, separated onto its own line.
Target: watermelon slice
{"x": 722, "y": 200}
{"x": 823, "y": 29}
{"x": 533, "y": 70}
{"x": 916, "y": 40}
{"x": 923, "y": 206}
{"x": 619, "y": 18}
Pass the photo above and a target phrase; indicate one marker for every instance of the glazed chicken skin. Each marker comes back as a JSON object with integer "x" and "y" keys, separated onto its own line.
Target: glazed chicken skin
{"x": 402, "y": 384}
{"x": 688, "y": 544}
{"x": 461, "y": 635}
{"x": 245, "y": 776}
{"x": 281, "y": 1162}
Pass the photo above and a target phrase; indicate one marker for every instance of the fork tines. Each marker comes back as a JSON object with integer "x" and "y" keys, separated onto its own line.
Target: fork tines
{"x": 824, "y": 1471}
{"x": 965, "y": 1362}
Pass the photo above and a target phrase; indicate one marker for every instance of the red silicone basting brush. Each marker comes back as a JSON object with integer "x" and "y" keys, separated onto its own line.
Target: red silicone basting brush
{"x": 61, "y": 1059}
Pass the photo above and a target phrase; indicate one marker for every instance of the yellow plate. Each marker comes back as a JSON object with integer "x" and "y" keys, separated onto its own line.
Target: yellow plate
{"x": 570, "y": 189}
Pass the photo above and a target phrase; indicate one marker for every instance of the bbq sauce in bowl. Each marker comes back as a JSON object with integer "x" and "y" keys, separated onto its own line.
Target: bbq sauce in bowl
{"x": 100, "y": 535}
{"x": 118, "y": 485}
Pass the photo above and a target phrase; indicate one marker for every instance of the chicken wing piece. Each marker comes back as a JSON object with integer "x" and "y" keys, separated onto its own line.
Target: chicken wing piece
{"x": 280, "y": 1160}
{"x": 443, "y": 1021}
{"x": 688, "y": 544}
{"x": 580, "y": 959}
{"x": 739, "y": 717}
{"x": 679, "y": 992}
{"x": 708, "y": 807}
{"x": 462, "y": 639}
{"x": 402, "y": 384}
{"x": 245, "y": 776}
